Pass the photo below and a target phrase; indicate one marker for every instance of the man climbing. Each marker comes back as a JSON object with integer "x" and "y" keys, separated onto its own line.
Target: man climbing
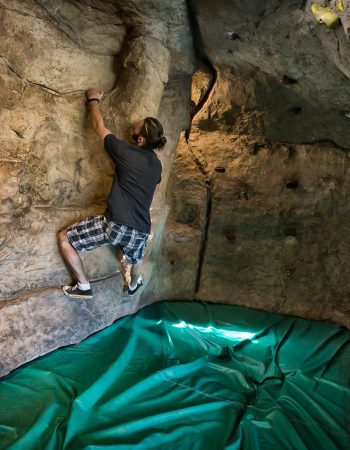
{"x": 126, "y": 223}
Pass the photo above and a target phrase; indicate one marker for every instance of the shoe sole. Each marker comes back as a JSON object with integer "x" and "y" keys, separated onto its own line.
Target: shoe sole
{"x": 84, "y": 297}
{"x": 136, "y": 290}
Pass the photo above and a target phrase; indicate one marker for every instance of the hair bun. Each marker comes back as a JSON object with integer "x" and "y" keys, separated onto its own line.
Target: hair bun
{"x": 162, "y": 142}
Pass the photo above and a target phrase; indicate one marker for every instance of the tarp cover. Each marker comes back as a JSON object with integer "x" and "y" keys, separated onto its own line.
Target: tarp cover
{"x": 186, "y": 375}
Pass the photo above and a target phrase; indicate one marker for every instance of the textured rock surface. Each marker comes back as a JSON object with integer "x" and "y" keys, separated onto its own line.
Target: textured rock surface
{"x": 276, "y": 39}
{"x": 255, "y": 211}
{"x": 55, "y": 170}
{"x": 259, "y": 193}
{"x": 50, "y": 320}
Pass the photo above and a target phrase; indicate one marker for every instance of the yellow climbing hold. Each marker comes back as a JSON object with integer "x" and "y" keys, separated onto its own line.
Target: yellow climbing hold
{"x": 340, "y": 6}
{"x": 324, "y": 15}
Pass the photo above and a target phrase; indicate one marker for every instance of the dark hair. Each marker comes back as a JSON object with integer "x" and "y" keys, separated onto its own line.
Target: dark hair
{"x": 152, "y": 131}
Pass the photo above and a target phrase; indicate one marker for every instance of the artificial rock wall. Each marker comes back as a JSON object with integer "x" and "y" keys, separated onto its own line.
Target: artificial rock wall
{"x": 53, "y": 169}
{"x": 259, "y": 192}
{"x": 253, "y": 210}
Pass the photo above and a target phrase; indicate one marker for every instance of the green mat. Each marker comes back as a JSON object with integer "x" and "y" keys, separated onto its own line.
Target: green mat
{"x": 183, "y": 375}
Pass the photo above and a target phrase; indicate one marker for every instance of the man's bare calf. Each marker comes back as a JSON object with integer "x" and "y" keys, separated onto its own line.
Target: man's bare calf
{"x": 135, "y": 272}
{"x": 75, "y": 265}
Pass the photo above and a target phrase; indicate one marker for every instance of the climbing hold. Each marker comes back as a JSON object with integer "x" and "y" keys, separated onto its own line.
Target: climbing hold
{"x": 324, "y": 15}
{"x": 243, "y": 195}
{"x": 295, "y": 109}
{"x": 340, "y": 6}
{"x": 288, "y": 80}
{"x": 233, "y": 36}
{"x": 288, "y": 273}
{"x": 292, "y": 185}
{"x": 291, "y": 241}
{"x": 347, "y": 115}
{"x": 220, "y": 169}
{"x": 230, "y": 236}
{"x": 172, "y": 262}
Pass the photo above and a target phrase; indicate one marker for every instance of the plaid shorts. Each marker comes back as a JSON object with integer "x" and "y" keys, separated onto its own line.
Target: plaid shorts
{"x": 96, "y": 231}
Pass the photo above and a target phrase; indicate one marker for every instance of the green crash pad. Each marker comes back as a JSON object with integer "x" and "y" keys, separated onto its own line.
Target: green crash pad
{"x": 186, "y": 375}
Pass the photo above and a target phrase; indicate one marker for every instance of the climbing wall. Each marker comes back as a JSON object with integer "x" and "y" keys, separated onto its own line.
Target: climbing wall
{"x": 52, "y": 167}
{"x": 259, "y": 191}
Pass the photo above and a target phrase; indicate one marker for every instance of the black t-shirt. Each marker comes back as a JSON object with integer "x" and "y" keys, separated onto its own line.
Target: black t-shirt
{"x": 137, "y": 173}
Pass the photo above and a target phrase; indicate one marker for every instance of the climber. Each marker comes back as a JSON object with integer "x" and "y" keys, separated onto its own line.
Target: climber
{"x": 126, "y": 222}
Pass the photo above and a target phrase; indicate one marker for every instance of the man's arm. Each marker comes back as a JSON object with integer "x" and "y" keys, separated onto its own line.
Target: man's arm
{"x": 95, "y": 113}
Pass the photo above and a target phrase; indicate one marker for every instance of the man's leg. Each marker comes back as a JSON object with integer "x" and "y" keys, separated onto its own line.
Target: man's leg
{"x": 135, "y": 271}
{"x": 135, "y": 275}
{"x": 123, "y": 264}
{"x": 72, "y": 258}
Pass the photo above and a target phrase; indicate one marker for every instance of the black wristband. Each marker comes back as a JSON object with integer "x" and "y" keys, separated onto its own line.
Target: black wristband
{"x": 93, "y": 100}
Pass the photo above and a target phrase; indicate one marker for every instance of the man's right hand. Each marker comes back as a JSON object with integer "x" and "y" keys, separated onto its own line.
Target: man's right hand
{"x": 94, "y": 93}
{"x": 95, "y": 114}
